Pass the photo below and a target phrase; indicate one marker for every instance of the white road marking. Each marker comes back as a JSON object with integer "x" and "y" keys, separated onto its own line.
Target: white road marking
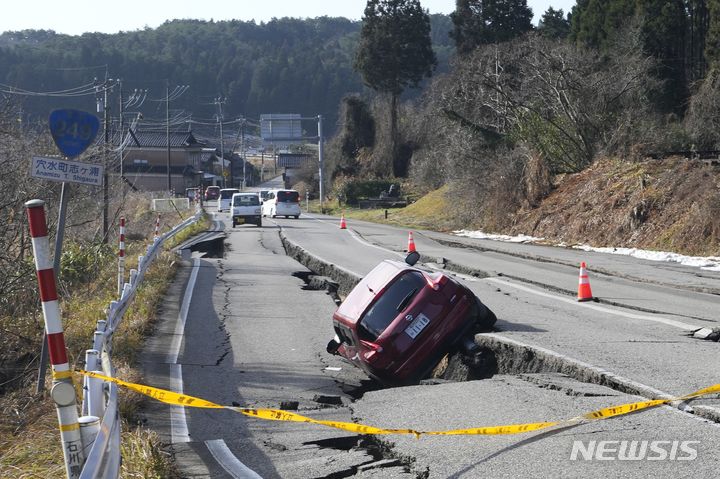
{"x": 232, "y": 465}
{"x": 172, "y": 356}
{"x": 178, "y": 420}
{"x": 602, "y": 309}
{"x": 357, "y": 238}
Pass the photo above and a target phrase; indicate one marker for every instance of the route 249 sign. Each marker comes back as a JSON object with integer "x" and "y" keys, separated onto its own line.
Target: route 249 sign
{"x": 73, "y": 130}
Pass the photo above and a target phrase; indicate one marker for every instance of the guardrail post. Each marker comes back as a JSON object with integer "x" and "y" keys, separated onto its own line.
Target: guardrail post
{"x": 63, "y": 391}
{"x": 111, "y": 314}
{"x": 89, "y": 429}
{"x": 96, "y": 401}
{"x": 98, "y": 339}
{"x": 121, "y": 257}
{"x": 133, "y": 276}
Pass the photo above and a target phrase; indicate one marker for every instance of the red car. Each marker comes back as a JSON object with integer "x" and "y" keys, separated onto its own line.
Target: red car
{"x": 399, "y": 321}
{"x": 212, "y": 192}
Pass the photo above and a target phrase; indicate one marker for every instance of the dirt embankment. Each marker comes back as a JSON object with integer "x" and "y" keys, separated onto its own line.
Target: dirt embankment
{"x": 669, "y": 205}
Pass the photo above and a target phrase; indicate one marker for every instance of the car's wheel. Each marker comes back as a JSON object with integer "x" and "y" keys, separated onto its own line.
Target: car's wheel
{"x": 332, "y": 346}
{"x": 259, "y": 223}
{"x": 233, "y": 224}
{"x": 483, "y": 363}
{"x": 296, "y": 216}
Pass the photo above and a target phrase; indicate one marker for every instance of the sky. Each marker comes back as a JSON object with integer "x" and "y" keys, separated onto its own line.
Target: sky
{"x": 80, "y": 16}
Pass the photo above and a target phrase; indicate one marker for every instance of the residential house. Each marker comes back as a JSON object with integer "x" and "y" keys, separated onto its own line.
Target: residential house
{"x": 145, "y": 161}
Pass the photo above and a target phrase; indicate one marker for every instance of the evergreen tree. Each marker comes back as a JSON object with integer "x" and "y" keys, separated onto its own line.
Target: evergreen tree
{"x": 712, "y": 43}
{"x": 663, "y": 25}
{"x": 663, "y": 30}
{"x": 698, "y": 23}
{"x": 395, "y": 52}
{"x": 480, "y": 22}
{"x": 466, "y": 25}
{"x": 553, "y": 24}
{"x": 593, "y": 22}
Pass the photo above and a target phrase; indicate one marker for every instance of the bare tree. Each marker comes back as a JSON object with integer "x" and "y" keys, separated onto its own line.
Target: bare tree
{"x": 565, "y": 102}
{"x": 703, "y": 117}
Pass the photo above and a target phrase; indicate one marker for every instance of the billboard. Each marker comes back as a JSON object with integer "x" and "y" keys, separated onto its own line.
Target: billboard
{"x": 281, "y": 129}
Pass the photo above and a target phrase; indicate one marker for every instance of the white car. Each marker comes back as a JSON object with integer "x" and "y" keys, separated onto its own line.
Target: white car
{"x": 245, "y": 208}
{"x": 224, "y": 198}
{"x": 282, "y": 203}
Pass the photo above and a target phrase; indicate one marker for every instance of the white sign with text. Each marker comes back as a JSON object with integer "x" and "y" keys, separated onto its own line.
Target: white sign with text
{"x": 58, "y": 169}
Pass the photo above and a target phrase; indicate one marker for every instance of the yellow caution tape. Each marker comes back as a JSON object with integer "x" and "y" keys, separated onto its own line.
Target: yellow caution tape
{"x": 61, "y": 374}
{"x": 176, "y": 399}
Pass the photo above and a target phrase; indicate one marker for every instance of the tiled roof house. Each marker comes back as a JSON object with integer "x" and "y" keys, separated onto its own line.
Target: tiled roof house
{"x": 145, "y": 161}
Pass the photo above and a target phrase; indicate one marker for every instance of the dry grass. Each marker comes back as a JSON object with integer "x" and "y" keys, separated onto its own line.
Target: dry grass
{"x": 29, "y": 439}
{"x": 672, "y": 205}
{"x": 432, "y": 211}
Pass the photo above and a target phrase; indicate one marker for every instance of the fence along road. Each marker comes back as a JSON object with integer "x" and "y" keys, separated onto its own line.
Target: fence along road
{"x": 94, "y": 437}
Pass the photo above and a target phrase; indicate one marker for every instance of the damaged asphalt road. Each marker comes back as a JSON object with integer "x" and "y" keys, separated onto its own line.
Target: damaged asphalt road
{"x": 255, "y": 336}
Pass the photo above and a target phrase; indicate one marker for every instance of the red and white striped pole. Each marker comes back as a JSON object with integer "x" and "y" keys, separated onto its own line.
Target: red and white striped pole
{"x": 63, "y": 391}
{"x": 121, "y": 257}
{"x": 157, "y": 226}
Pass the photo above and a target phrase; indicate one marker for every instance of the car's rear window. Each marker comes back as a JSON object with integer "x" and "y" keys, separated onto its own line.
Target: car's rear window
{"x": 246, "y": 200}
{"x": 285, "y": 196}
{"x": 227, "y": 194}
{"x": 386, "y": 308}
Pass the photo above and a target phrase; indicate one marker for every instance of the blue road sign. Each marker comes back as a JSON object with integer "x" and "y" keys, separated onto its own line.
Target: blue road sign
{"x": 73, "y": 130}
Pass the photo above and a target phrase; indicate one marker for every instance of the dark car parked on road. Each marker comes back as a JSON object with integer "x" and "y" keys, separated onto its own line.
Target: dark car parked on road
{"x": 212, "y": 192}
{"x": 399, "y": 321}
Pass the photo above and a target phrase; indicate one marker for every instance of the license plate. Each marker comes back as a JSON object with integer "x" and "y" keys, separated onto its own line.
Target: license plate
{"x": 417, "y": 325}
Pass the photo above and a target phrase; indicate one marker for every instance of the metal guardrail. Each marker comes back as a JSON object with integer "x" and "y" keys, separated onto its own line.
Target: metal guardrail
{"x": 100, "y": 398}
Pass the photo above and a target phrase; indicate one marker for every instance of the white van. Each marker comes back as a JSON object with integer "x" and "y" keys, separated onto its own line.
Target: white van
{"x": 245, "y": 208}
{"x": 282, "y": 203}
{"x": 225, "y": 197}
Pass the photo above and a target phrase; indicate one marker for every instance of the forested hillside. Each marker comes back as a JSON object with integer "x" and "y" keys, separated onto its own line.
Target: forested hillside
{"x": 285, "y": 65}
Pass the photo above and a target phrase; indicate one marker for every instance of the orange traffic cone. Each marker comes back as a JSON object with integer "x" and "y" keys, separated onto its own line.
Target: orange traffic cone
{"x": 342, "y": 222}
{"x": 584, "y": 293}
{"x": 411, "y": 243}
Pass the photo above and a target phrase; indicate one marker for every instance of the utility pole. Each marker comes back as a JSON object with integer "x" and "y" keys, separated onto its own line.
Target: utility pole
{"x": 320, "y": 159}
{"x": 167, "y": 132}
{"x": 122, "y": 139}
{"x": 219, "y": 103}
{"x": 242, "y": 150}
{"x": 106, "y": 189}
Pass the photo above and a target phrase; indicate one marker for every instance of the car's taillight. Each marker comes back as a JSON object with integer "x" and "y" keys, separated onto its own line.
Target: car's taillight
{"x": 374, "y": 350}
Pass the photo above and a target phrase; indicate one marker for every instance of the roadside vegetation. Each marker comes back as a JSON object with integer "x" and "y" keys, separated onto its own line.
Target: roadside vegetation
{"x": 29, "y": 438}
{"x": 586, "y": 129}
